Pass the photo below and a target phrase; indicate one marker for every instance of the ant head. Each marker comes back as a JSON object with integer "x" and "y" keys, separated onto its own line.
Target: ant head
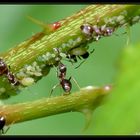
{"x": 2, "y": 64}
{"x": 87, "y": 29}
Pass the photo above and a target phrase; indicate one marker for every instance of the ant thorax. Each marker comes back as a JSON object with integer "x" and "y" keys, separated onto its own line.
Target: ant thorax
{"x": 61, "y": 71}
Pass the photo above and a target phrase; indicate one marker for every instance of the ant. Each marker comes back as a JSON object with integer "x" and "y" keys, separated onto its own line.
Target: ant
{"x": 4, "y": 70}
{"x": 2, "y": 124}
{"x": 65, "y": 83}
{"x": 95, "y": 32}
{"x": 91, "y": 32}
{"x": 79, "y": 52}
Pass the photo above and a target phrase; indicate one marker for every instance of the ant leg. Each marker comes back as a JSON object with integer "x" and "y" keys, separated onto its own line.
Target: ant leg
{"x": 92, "y": 51}
{"x": 8, "y": 127}
{"x": 75, "y": 82}
{"x": 54, "y": 87}
{"x": 70, "y": 59}
{"x": 80, "y": 64}
{"x": 84, "y": 60}
{"x": 4, "y": 132}
{"x": 128, "y": 35}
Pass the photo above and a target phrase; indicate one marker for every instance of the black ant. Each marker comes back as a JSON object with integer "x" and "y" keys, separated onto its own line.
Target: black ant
{"x": 79, "y": 52}
{"x": 2, "y": 124}
{"x": 5, "y": 71}
{"x": 91, "y": 32}
{"x": 95, "y": 32}
{"x": 65, "y": 83}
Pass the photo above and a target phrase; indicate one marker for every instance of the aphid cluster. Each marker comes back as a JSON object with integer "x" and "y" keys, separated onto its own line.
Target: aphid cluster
{"x": 96, "y": 32}
{"x": 4, "y": 70}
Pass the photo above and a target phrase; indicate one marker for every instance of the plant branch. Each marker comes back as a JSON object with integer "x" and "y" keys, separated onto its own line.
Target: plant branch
{"x": 86, "y": 99}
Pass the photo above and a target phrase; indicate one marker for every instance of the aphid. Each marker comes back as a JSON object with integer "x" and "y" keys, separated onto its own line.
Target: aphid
{"x": 5, "y": 71}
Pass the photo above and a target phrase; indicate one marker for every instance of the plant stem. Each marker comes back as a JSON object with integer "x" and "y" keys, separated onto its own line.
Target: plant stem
{"x": 87, "y": 98}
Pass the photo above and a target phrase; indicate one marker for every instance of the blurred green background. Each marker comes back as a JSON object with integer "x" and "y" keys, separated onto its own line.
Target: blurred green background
{"x": 100, "y": 69}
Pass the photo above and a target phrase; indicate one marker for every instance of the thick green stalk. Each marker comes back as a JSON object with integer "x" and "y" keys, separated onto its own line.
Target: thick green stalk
{"x": 83, "y": 101}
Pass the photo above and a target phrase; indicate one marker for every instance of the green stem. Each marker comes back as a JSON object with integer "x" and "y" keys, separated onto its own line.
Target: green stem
{"x": 87, "y": 98}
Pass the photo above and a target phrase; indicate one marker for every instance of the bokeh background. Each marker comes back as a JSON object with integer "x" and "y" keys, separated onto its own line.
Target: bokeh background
{"x": 99, "y": 69}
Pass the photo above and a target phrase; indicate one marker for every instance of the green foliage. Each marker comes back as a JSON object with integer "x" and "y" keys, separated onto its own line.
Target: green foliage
{"x": 120, "y": 114}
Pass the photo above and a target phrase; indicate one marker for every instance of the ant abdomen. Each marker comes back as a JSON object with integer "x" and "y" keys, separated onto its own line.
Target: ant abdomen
{"x": 66, "y": 85}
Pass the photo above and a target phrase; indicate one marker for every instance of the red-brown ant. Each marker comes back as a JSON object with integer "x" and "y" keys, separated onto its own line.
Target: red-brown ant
{"x": 5, "y": 71}
{"x": 95, "y": 32}
{"x": 65, "y": 83}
